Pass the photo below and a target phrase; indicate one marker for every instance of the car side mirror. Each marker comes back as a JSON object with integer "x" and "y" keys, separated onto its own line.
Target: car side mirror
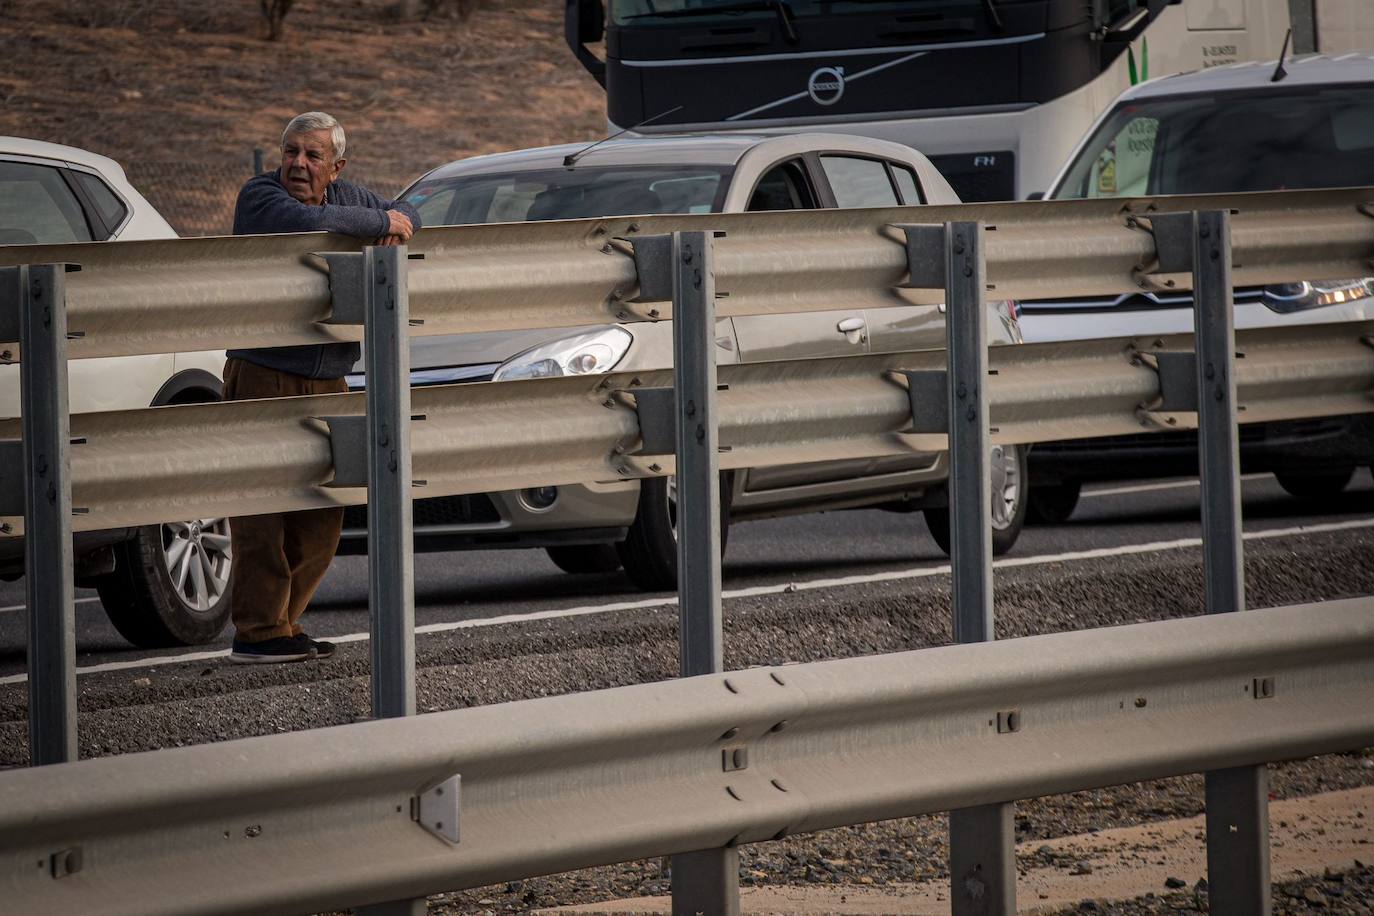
{"x": 1036, "y": 195}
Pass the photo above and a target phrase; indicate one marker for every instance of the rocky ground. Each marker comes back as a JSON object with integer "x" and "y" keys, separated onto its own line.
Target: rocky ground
{"x": 181, "y": 92}
{"x": 1333, "y": 891}
{"x": 130, "y": 711}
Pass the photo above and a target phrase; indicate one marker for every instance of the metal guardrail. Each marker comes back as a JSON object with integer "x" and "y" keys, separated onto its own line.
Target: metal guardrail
{"x": 204, "y": 294}
{"x": 770, "y": 414}
{"x": 335, "y": 817}
{"x": 143, "y": 466}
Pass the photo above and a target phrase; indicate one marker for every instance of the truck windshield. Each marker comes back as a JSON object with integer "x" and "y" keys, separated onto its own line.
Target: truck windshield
{"x": 1217, "y": 144}
{"x": 580, "y": 193}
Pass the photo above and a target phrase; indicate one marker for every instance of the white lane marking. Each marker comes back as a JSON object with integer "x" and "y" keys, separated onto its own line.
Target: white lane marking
{"x": 1171, "y": 485}
{"x": 895, "y": 575}
{"x": 19, "y": 607}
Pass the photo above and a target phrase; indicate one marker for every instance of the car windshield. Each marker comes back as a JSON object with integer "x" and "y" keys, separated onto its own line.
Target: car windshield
{"x": 1222, "y": 143}
{"x": 578, "y": 193}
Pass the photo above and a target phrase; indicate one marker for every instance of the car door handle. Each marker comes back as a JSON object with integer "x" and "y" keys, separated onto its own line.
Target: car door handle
{"x": 852, "y": 328}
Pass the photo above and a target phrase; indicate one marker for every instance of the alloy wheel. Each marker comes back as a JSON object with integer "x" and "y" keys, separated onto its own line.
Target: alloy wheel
{"x": 199, "y": 557}
{"x": 1006, "y": 485}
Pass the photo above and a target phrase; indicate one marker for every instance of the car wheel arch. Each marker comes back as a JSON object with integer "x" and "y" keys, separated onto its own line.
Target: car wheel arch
{"x": 189, "y": 386}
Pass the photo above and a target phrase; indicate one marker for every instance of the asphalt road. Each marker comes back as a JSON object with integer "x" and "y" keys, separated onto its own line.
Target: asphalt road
{"x": 767, "y": 554}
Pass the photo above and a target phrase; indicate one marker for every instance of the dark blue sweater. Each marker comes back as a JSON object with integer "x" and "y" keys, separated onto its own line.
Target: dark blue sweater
{"x": 264, "y": 207}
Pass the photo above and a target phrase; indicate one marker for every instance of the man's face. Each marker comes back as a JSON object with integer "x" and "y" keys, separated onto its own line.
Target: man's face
{"x": 308, "y": 165}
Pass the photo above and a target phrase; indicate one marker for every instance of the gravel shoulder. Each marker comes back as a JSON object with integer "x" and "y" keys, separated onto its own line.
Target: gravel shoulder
{"x": 1322, "y": 837}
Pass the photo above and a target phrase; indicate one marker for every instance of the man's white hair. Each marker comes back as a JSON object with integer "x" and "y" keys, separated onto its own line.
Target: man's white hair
{"x": 317, "y": 120}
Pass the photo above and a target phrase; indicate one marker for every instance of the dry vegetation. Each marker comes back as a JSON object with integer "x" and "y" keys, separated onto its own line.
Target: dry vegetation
{"x": 180, "y": 91}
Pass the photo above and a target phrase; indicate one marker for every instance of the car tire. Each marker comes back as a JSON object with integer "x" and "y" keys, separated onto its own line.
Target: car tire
{"x": 584, "y": 559}
{"x": 649, "y": 551}
{"x": 1009, "y": 501}
{"x": 171, "y": 584}
{"x": 1052, "y": 504}
{"x": 1319, "y": 485}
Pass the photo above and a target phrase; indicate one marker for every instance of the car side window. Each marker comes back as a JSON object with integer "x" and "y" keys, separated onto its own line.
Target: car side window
{"x": 36, "y": 205}
{"x": 783, "y": 187}
{"x": 859, "y": 182}
{"x": 108, "y": 207}
{"x": 907, "y": 184}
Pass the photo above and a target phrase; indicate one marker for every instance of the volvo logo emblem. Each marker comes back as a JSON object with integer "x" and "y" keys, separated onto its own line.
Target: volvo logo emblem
{"x": 826, "y": 85}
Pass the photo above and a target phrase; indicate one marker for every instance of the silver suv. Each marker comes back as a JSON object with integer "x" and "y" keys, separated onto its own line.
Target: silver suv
{"x": 600, "y": 526}
{"x": 1308, "y": 123}
{"x": 160, "y": 584}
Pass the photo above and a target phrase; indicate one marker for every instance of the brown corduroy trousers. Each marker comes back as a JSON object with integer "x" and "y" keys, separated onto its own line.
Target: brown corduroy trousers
{"x": 281, "y": 557}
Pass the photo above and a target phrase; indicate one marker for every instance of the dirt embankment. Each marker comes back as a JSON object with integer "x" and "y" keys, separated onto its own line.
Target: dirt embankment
{"x": 181, "y": 91}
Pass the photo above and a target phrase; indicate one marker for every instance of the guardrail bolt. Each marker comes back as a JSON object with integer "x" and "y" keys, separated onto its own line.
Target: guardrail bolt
{"x": 64, "y": 863}
{"x": 1140, "y": 702}
{"x": 1263, "y": 688}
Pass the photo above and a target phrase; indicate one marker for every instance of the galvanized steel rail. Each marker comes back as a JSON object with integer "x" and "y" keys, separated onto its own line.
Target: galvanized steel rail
{"x": 204, "y": 294}
{"x": 245, "y": 457}
{"x": 323, "y": 819}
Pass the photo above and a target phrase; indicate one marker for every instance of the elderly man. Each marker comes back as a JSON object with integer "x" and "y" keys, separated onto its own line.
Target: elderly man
{"x": 280, "y": 558}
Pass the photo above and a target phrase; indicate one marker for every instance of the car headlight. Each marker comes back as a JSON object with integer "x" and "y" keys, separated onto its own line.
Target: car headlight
{"x": 589, "y": 353}
{"x": 1315, "y": 294}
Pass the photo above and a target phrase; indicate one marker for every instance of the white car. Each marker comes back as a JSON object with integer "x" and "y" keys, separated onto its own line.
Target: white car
{"x": 1248, "y": 127}
{"x": 599, "y": 526}
{"x": 160, "y": 584}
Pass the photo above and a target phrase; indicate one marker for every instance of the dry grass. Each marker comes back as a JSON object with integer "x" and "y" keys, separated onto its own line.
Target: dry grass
{"x": 185, "y": 81}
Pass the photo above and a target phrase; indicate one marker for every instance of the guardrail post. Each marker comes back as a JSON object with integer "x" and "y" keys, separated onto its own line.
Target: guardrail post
{"x": 38, "y": 294}
{"x": 1238, "y": 798}
{"x": 706, "y": 881}
{"x": 390, "y": 545}
{"x": 390, "y": 549}
{"x": 982, "y": 849}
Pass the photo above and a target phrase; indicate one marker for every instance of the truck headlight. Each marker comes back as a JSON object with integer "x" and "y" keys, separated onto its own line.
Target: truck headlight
{"x": 588, "y": 353}
{"x": 1315, "y": 294}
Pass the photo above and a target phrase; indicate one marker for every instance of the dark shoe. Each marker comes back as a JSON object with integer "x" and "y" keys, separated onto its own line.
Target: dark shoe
{"x": 322, "y": 649}
{"x": 272, "y": 651}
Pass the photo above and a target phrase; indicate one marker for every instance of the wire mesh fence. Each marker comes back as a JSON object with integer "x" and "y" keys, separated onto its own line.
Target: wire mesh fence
{"x": 197, "y": 198}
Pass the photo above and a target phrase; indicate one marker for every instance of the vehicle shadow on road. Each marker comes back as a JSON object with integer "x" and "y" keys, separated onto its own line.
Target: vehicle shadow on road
{"x": 1278, "y": 507}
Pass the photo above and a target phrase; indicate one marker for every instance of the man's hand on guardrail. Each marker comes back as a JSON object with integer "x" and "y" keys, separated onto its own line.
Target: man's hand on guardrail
{"x": 399, "y": 227}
